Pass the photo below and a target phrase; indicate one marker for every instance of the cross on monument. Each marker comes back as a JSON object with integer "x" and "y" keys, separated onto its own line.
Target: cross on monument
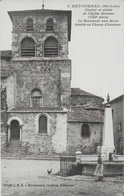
{"x": 42, "y": 4}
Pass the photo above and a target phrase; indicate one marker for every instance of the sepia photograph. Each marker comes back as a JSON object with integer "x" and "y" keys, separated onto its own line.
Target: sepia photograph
{"x": 62, "y": 97}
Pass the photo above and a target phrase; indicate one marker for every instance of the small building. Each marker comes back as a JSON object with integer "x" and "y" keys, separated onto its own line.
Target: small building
{"x": 85, "y": 122}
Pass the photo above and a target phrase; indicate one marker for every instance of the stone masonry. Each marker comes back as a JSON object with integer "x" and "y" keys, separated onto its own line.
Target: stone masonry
{"x": 48, "y": 143}
{"x": 52, "y": 127}
{"x": 86, "y": 145}
{"x": 60, "y": 19}
{"x": 52, "y": 77}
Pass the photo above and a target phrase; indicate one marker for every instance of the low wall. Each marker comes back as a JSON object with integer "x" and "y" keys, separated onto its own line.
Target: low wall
{"x": 85, "y": 158}
{"x": 88, "y": 158}
{"x": 118, "y": 158}
{"x": 110, "y": 168}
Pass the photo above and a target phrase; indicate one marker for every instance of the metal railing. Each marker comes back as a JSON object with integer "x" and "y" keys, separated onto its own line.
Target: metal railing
{"x": 65, "y": 162}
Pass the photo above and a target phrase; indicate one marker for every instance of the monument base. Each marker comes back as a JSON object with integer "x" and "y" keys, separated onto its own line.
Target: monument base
{"x": 105, "y": 150}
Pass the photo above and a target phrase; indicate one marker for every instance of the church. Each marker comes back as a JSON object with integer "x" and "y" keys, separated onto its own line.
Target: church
{"x": 40, "y": 112}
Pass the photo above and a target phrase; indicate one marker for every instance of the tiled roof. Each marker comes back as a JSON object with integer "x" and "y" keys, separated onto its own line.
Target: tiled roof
{"x": 117, "y": 98}
{"x": 78, "y": 91}
{"x": 6, "y": 69}
{"x": 79, "y": 114}
{"x": 6, "y": 53}
{"x": 39, "y": 109}
{"x": 93, "y": 106}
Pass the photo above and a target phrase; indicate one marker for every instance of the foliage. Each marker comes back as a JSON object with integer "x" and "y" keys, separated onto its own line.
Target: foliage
{"x": 74, "y": 169}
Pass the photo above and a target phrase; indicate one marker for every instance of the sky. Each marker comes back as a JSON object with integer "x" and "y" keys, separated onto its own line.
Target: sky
{"x": 97, "y": 53}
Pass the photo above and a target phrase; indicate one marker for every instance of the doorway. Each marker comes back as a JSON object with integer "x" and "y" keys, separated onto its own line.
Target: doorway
{"x": 15, "y": 131}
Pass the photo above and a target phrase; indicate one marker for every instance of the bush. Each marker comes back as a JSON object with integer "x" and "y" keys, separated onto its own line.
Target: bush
{"x": 74, "y": 169}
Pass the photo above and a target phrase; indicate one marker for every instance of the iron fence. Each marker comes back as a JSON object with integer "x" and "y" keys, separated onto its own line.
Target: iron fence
{"x": 65, "y": 162}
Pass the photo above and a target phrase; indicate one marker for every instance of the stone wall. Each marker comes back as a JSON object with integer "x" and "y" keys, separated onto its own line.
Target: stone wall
{"x": 5, "y": 64}
{"x": 3, "y": 117}
{"x": 10, "y": 88}
{"x": 86, "y": 145}
{"x": 8, "y": 80}
{"x": 46, "y": 143}
{"x": 52, "y": 77}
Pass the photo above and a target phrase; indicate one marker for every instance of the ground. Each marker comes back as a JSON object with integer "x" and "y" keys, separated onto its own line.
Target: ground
{"x": 30, "y": 177}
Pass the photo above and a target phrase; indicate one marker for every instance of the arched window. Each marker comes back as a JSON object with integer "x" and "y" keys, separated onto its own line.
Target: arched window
{"x": 51, "y": 47}
{"x": 85, "y": 132}
{"x": 27, "y": 47}
{"x": 43, "y": 124}
{"x": 36, "y": 98}
{"x": 30, "y": 24}
{"x": 49, "y": 24}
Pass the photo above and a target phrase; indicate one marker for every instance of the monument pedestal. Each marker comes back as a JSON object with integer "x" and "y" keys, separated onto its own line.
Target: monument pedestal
{"x": 105, "y": 150}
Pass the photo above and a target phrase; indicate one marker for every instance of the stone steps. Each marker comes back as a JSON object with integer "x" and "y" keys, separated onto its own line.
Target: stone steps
{"x": 16, "y": 150}
{"x": 23, "y": 154}
{"x": 28, "y": 156}
{"x": 17, "y": 153}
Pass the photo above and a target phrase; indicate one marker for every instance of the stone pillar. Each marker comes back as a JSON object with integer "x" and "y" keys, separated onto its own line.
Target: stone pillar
{"x": 108, "y": 135}
{"x": 65, "y": 79}
{"x": 78, "y": 156}
{"x": 20, "y": 133}
{"x": 9, "y": 133}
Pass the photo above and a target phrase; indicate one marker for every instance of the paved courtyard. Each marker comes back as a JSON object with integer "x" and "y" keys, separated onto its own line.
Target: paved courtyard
{"x": 30, "y": 177}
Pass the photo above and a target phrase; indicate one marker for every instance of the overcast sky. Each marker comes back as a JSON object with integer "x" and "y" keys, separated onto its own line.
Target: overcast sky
{"x": 97, "y": 53}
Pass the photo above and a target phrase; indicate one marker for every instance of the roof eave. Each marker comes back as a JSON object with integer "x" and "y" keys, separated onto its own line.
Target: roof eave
{"x": 84, "y": 121}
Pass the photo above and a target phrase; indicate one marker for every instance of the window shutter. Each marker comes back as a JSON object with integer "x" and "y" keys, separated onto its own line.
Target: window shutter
{"x": 30, "y": 24}
{"x": 27, "y": 47}
{"x": 49, "y": 24}
{"x": 51, "y": 47}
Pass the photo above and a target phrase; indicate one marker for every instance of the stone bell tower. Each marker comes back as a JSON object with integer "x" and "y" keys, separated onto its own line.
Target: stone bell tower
{"x": 40, "y": 57}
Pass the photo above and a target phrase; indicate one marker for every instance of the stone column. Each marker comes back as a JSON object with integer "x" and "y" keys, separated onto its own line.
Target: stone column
{"x": 9, "y": 133}
{"x": 108, "y": 135}
{"x": 78, "y": 156}
{"x": 20, "y": 133}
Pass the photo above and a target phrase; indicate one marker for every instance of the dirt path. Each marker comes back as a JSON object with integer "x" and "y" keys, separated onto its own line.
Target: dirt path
{"x": 29, "y": 177}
